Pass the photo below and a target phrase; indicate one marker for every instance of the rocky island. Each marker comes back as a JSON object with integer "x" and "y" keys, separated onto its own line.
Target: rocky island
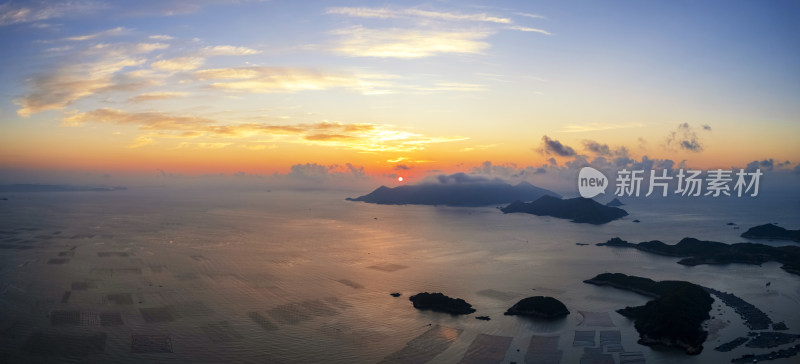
{"x": 615, "y": 203}
{"x": 696, "y": 252}
{"x": 579, "y": 209}
{"x": 772, "y": 232}
{"x": 673, "y": 318}
{"x": 539, "y": 306}
{"x": 458, "y": 189}
{"x": 438, "y": 302}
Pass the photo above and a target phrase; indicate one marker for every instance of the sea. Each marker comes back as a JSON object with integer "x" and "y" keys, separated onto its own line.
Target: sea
{"x": 162, "y": 274}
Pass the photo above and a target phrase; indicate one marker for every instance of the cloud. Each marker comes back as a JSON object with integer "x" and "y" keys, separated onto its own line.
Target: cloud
{"x": 386, "y": 13}
{"x": 528, "y": 29}
{"x": 359, "y": 136}
{"x": 152, "y": 96}
{"x": 529, "y": 15}
{"x": 227, "y": 50}
{"x": 764, "y": 165}
{"x": 106, "y": 33}
{"x": 329, "y": 137}
{"x": 685, "y": 138}
{"x": 318, "y": 173}
{"x": 551, "y": 146}
{"x": 453, "y": 86}
{"x": 192, "y": 145}
{"x": 141, "y": 141}
{"x": 178, "y": 64}
{"x": 67, "y": 84}
{"x": 161, "y": 37}
{"x": 287, "y": 79}
{"x": 145, "y": 120}
{"x": 509, "y": 170}
{"x": 463, "y": 178}
{"x": 425, "y": 37}
{"x": 597, "y": 148}
{"x": 706, "y": 127}
{"x": 358, "y": 41}
{"x": 14, "y": 12}
{"x": 149, "y": 47}
{"x": 401, "y": 167}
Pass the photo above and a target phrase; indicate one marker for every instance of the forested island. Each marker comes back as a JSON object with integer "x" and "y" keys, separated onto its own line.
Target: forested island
{"x": 579, "y": 209}
{"x": 458, "y": 189}
{"x": 696, "y": 252}
{"x": 539, "y": 306}
{"x": 438, "y": 302}
{"x": 772, "y": 232}
{"x": 673, "y": 318}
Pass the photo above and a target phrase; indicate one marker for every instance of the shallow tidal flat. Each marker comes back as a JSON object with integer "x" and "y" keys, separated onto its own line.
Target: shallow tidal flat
{"x": 136, "y": 276}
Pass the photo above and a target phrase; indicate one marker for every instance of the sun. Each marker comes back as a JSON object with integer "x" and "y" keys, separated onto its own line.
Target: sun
{"x": 400, "y": 179}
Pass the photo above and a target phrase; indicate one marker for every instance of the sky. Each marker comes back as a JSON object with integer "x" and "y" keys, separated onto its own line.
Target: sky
{"x": 379, "y": 90}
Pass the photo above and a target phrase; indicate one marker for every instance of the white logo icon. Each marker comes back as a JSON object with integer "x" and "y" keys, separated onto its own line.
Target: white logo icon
{"x": 591, "y": 182}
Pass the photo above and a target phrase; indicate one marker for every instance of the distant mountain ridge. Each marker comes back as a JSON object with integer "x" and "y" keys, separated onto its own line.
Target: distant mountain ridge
{"x": 469, "y": 192}
{"x": 579, "y": 209}
{"x": 56, "y": 188}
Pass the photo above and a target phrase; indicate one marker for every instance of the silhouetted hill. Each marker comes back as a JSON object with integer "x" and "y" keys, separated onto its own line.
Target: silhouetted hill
{"x": 615, "y": 203}
{"x": 579, "y": 209}
{"x": 455, "y": 190}
{"x": 539, "y": 306}
{"x": 673, "y": 318}
{"x": 440, "y": 303}
{"x": 696, "y": 252}
{"x": 54, "y": 188}
{"x": 771, "y": 231}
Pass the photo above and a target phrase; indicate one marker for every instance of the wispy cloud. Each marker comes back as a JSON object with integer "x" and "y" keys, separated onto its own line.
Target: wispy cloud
{"x": 67, "y": 84}
{"x": 13, "y": 12}
{"x": 532, "y": 16}
{"x": 161, "y": 37}
{"x": 191, "y": 145}
{"x": 179, "y": 64}
{"x": 358, "y": 41}
{"x": 106, "y": 33}
{"x": 527, "y": 29}
{"x": 227, "y": 50}
{"x": 385, "y": 13}
{"x": 454, "y": 86}
{"x": 149, "y": 47}
{"x": 287, "y": 79}
{"x": 152, "y": 96}
{"x": 428, "y": 33}
{"x": 362, "y": 137}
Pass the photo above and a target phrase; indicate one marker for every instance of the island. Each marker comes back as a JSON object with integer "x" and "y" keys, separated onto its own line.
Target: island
{"x": 615, "y": 203}
{"x": 456, "y": 190}
{"x": 696, "y": 252}
{"x": 438, "y": 302}
{"x": 539, "y": 306}
{"x": 579, "y": 209}
{"x": 771, "y": 232}
{"x": 673, "y": 318}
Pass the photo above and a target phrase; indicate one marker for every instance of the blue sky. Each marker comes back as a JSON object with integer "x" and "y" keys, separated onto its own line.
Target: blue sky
{"x": 399, "y": 81}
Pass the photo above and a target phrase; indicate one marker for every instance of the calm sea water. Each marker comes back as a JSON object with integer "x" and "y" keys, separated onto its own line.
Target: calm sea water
{"x": 289, "y": 276}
